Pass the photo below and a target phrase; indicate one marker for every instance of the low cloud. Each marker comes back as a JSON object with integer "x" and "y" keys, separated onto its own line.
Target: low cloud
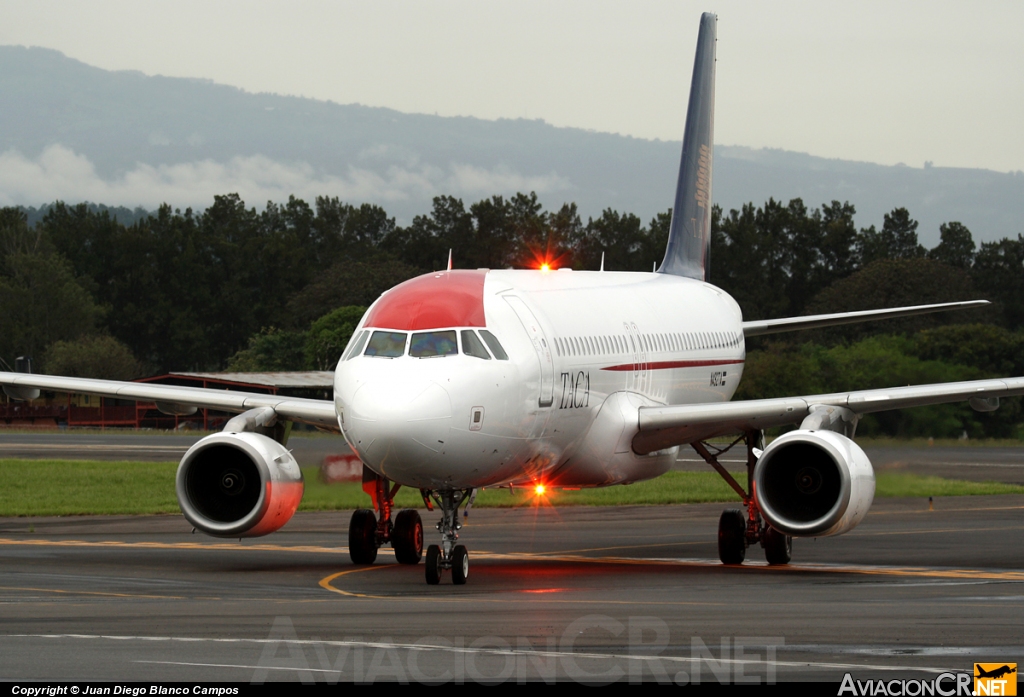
{"x": 477, "y": 180}
{"x": 60, "y": 173}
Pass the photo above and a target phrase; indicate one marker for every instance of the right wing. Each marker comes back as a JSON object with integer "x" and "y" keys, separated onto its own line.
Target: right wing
{"x": 664, "y": 427}
{"x": 319, "y": 412}
{"x": 792, "y": 324}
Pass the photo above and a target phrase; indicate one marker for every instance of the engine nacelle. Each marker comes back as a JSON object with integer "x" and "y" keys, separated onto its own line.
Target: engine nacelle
{"x": 813, "y": 484}
{"x": 238, "y": 485}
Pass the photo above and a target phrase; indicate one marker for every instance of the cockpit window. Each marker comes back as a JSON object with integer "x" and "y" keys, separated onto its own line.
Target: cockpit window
{"x": 471, "y": 345}
{"x": 430, "y": 344}
{"x": 494, "y": 345}
{"x": 386, "y": 344}
{"x": 357, "y": 345}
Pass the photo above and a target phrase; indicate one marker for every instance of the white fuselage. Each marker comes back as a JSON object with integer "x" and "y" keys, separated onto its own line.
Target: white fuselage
{"x": 585, "y": 351}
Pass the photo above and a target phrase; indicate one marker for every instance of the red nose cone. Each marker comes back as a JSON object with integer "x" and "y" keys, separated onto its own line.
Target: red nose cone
{"x": 432, "y": 301}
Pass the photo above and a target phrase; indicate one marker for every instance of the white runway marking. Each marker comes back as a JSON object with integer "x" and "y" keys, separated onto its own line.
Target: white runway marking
{"x": 575, "y": 655}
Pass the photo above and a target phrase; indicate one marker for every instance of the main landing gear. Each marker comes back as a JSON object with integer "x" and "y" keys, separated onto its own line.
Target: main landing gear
{"x": 448, "y": 556}
{"x": 738, "y": 530}
{"x": 368, "y": 531}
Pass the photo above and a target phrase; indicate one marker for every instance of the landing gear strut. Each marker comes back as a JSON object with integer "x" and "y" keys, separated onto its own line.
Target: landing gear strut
{"x": 368, "y": 531}
{"x": 448, "y": 556}
{"x": 736, "y": 530}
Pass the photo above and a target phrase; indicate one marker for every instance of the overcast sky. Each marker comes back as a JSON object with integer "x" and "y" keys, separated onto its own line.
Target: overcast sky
{"x": 875, "y": 81}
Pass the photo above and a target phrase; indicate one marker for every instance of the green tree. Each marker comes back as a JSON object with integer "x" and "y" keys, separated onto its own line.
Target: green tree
{"x": 621, "y": 237}
{"x": 567, "y": 234}
{"x": 786, "y": 370}
{"x": 896, "y": 240}
{"x": 998, "y": 272}
{"x": 99, "y": 356}
{"x": 956, "y": 247}
{"x": 353, "y": 282}
{"x": 991, "y": 349}
{"x": 751, "y": 258}
{"x": 425, "y": 243}
{"x": 41, "y": 300}
{"x": 329, "y": 335}
{"x": 271, "y": 350}
{"x": 894, "y": 283}
{"x": 838, "y": 242}
{"x": 656, "y": 239}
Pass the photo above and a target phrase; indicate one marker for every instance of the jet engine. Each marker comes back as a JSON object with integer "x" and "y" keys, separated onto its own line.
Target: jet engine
{"x": 813, "y": 484}
{"x": 238, "y": 485}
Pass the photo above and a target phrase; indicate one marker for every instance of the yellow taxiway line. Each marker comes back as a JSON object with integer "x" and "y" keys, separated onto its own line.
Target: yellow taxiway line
{"x": 327, "y": 583}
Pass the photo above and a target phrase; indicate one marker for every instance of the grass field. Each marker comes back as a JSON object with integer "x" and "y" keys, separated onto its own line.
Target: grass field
{"x": 60, "y": 487}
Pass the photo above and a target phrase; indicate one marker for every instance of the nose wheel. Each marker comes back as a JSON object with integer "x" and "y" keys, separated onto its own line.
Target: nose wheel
{"x": 449, "y": 556}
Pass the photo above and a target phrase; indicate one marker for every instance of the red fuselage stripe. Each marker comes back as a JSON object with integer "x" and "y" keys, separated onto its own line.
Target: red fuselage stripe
{"x": 666, "y": 365}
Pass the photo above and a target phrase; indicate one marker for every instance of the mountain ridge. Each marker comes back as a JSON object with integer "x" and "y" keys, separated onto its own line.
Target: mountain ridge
{"x": 73, "y": 131}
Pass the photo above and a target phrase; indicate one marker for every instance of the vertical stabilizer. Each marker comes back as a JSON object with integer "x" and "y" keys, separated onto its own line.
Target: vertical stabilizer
{"x": 687, "y": 253}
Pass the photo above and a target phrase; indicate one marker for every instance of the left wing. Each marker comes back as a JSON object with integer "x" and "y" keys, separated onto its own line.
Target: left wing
{"x": 664, "y": 427}
{"x": 792, "y": 324}
{"x": 319, "y": 412}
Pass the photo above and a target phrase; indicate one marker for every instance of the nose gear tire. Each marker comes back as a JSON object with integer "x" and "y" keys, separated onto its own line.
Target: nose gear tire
{"x": 433, "y": 564}
{"x": 460, "y": 565}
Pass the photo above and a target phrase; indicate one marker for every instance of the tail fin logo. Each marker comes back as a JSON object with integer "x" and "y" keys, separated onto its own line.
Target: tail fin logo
{"x": 703, "y": 193}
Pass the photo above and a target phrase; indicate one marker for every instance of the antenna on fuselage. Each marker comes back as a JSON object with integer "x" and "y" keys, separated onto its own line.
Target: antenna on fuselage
{"x": 449, "y": 260}
{"x": 655, "y": 269}
{"x": 602, "y": 261}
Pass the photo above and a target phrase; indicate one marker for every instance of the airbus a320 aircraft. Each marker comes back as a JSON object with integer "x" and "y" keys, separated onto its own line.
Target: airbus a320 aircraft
{"x": 459, "y": 380}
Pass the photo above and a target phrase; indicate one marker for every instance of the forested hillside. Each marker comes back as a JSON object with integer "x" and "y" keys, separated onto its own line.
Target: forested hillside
{"x": 123, "y": 138}
{"x": 282, "y": 288}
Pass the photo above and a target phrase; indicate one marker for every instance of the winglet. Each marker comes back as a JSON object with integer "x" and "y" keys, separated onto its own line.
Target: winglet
{"x": 687, "y": 253}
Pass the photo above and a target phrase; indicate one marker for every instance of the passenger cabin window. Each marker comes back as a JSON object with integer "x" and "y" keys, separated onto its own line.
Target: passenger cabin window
{"x": 493, "y": 344}
{"x": 433, "y": 344}
{"x": 471, "y": 345}
{"x": 386, "y": 344}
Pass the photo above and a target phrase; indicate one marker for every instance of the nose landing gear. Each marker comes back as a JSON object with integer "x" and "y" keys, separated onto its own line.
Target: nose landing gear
{"x": 448, "y": 555}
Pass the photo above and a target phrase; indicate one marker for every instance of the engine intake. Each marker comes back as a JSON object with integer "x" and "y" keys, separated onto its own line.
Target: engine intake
{"x": 238, "y": 485}
{"x": 813, "y": 484}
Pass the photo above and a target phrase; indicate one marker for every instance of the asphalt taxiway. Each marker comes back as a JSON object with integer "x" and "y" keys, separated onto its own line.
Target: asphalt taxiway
{"x": 587, "y": 593}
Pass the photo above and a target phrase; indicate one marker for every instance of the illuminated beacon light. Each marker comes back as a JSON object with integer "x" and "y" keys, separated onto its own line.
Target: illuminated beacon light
{"x": 539, "y": 489}
{"x": 545, "y": 266}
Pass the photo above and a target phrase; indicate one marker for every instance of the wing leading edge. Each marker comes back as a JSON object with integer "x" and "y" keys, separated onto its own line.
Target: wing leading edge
{"x": 314, "y": 411}
{"x": 792, "y": 324}
{"x": 664, "y": 427}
